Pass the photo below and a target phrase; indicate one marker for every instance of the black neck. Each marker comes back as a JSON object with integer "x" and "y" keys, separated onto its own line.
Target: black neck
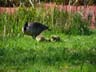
{"x": 26, "y": 24}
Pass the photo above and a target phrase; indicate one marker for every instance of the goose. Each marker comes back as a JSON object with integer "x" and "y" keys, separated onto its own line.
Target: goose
{"x": 34, "y": 28}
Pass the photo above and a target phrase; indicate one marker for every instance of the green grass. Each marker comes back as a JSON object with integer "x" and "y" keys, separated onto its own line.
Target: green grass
{"x": 71, "y": 54}
{"x": 74, "y": 53}
{"x": 58, "y": 21}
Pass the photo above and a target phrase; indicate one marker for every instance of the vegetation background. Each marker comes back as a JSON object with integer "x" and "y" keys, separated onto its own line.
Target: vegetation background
{"x": 29, "y": 2}
{"x": 76, "y": 52}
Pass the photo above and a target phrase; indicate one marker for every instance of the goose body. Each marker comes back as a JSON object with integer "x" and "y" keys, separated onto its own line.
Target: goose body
{"x": 34, "y": 28}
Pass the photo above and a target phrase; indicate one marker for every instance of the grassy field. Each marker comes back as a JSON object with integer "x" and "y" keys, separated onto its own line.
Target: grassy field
{"x": 76, "y": 52}
{"x": 71, "y": 54}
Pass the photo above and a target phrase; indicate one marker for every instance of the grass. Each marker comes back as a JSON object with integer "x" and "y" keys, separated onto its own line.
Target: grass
{"x": 58, "y": 21}
{"x": 72, "y": 54}
{"x": 76, "y": 52}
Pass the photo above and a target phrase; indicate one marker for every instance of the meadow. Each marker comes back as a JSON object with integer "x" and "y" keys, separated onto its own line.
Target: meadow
{"x": 76, "y": 52}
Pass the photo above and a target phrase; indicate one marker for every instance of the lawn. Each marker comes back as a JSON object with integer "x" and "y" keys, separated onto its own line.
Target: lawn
{"x": 76, "y": 52}
{"x": 71, "y": 54}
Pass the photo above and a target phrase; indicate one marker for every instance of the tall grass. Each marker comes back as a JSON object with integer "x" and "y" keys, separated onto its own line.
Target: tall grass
{"x": 58, "y": 21}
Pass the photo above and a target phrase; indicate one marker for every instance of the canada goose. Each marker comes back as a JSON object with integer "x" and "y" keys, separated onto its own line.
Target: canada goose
{"x": 34, "y": 28}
